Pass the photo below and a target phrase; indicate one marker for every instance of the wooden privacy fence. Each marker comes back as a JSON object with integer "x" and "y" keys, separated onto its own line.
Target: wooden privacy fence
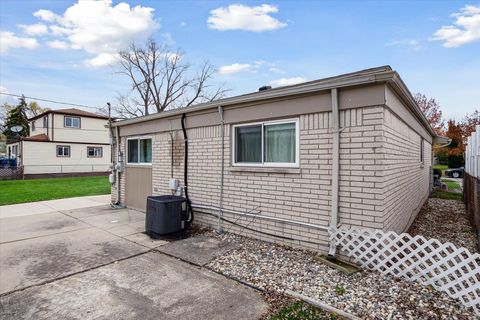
{"x": 442, "y": 265}
{"x": 471, "y": 181}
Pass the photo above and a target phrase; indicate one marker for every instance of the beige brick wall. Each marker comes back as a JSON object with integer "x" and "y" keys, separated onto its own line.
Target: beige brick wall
{"x": 366, "y": 194}
{"x": 407, "y": 180}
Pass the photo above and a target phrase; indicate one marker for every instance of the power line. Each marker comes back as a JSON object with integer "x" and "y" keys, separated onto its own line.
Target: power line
{"x": 47, "y": 100}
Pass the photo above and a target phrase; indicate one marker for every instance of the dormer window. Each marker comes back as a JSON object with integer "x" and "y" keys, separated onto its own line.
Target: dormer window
{"x": 71, "y": 122}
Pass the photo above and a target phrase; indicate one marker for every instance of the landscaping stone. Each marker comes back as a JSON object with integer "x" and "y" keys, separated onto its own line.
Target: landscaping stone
{"x": 366, "y": 294}
{"x": 447, "y": 221}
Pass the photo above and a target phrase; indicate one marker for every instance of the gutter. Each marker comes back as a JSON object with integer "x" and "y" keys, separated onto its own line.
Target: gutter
{"x": 317, "y": 86}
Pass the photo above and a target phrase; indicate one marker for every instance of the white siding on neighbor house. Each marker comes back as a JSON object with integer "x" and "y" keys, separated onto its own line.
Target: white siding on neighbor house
{"x": 39, "y": 128}
{"x": 91, "y": 130}
{"x": 41, "y": 157}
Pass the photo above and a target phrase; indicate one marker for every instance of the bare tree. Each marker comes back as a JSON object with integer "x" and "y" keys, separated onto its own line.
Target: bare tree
{"x": 162, "y": 80}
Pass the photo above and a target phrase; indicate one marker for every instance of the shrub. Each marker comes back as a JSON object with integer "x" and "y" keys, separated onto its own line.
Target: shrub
{"x": 455, "y": 161}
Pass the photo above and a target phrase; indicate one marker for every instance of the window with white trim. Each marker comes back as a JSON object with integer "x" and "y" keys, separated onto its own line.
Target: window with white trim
{"x": 268, "y": 144}
{"x": 139, "y": 151}
{"x": 94, "y": 152}
{"x": 33, "y": 125}
{"x": 422, "y": 150}
{"x": 63, "y": 151}
{"x": 71, "y": 122}
{"x": 45, "y": 121}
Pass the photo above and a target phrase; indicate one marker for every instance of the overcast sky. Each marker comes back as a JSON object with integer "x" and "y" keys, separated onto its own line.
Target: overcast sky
{"x": 65, "y": 50}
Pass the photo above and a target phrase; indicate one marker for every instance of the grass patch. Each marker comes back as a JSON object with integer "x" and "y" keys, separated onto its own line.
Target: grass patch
{"x": 300, "y": 310}
{"x": 447, "y": 195}
{"x": 20, "y": 191}
{"x": 440, "y": 167}
{"x": 452, "y": 185}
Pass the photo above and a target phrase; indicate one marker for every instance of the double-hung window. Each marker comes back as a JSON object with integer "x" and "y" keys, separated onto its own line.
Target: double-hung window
{"x": 71, "y": 122}
{"x": 268, "y": 144}
{"x": 63, "y": 151}
{"x": 139, "y": 151}
{"x": 94, "y": 152}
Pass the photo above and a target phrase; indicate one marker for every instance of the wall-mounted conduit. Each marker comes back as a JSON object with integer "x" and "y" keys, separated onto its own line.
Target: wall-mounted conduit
{"x": 222, "y": 171}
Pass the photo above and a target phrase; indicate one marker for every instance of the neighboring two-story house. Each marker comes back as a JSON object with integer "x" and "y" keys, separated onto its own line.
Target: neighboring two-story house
{"x": 64, "y": 142}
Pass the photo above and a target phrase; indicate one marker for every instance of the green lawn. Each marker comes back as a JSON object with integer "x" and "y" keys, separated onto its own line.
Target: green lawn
{"x": 20, "y": 191}
{"x": 441, "y": 167}
{"x": 300, "y": 310}
{"x": 451, "y": 184}
{"x": 447, "y": 195}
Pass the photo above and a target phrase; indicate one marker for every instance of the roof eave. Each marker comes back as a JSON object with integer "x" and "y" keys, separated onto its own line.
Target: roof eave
{"x": 400, "y": 88}
{"x": 266, "y": 95}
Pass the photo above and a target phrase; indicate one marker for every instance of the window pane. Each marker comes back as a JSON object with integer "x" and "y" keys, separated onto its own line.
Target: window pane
{"x": 279, "y": 144}
{"x": 248, "y": 144}
{"x": 66, "y": 151}
{"x": 133, "y": 151}
{"x": 68, "y": 122}
{"x": 76, "y": 122}
{"x": 146, "y": 150}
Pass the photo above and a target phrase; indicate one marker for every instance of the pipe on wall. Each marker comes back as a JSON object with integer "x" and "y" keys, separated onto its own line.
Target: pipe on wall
{"x": 220, "y": 206}
{"x": 335, "y": 169}
{"x": 253, "y": 215}
{"x": 117, "y": 171}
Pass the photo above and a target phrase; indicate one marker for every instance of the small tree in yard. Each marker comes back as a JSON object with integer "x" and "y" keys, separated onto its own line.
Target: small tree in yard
{"x": 162, "y": 80}
{"x": 17, "y": 116}
{"x": 468, "y": 124}
{"x": 431, "y": 110}
{"x": 456, "y": 148}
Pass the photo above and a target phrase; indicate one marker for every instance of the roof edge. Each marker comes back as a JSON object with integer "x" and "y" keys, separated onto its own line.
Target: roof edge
{"x": 368, "y": 76}
{"x": 66, "y": 113}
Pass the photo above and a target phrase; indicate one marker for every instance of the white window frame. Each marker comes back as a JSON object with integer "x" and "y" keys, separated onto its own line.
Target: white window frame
{"x": 95, "y": 156}
{"x": 45, "y": 121}
{"x": 263, "y": 163}
{"x": 63, "y": 147}
{"x": 72, "y": 127}
{"x": 126, "y": 151}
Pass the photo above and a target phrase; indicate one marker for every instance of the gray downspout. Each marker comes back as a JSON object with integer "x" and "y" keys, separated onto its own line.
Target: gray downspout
{"x": 117, "y": 180}
{"x": 220, "y": 210}
{"x": 335, "y": 170}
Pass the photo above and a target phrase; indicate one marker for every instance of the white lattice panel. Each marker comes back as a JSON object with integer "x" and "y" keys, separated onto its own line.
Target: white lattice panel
{"x": 442, "y": 265}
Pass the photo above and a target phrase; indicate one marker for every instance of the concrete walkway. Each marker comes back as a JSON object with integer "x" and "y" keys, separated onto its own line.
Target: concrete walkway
{"x": 60, "y": 259}
{"x": 24, "y": 209}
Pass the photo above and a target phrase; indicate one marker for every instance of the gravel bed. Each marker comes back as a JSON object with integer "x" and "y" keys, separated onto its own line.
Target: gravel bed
{"x": 447, "y": 221}
{"x": 366, "y": 294}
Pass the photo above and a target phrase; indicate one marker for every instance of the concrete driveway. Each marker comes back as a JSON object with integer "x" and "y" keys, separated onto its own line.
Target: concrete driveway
{"x": 95, "y": 263}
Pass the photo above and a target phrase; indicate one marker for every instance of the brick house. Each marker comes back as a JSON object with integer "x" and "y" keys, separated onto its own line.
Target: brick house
{"x": 298, "y": 160}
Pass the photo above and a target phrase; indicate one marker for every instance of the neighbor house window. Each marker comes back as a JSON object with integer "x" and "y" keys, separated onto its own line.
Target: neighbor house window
{"x": 139, "y": 151}
{"x": 71, "y": 122}
{"x": 94, "y": 152}
{"x": 63, "y": 151}
{"x": 422, "y": 151}
{"x": 33, "y": 125}
{"x": 45, "y": 122}
{"x": 269, "y": 144}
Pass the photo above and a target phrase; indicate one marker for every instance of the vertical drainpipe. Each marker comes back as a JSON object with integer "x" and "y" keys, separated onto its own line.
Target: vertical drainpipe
{"x": 220, "y": 206}
{"x": 117, "y": 180}
{"x": 335, "y": 170}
